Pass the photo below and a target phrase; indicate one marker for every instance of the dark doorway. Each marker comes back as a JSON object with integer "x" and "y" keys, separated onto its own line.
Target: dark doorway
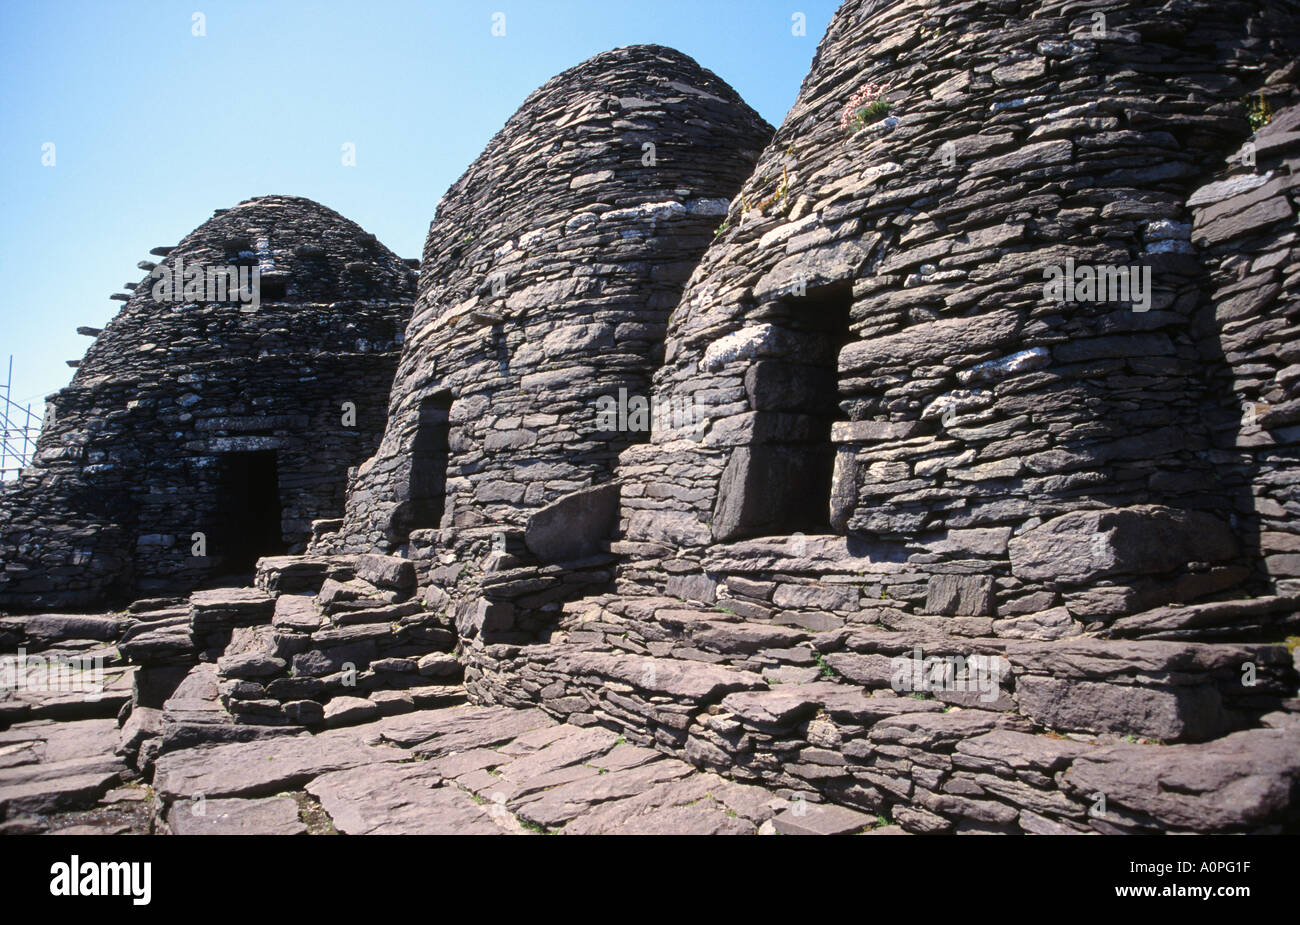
{"x": 248, "y": 507}
{"x": 427, "y": 487}
{"x": 781, "y": 482}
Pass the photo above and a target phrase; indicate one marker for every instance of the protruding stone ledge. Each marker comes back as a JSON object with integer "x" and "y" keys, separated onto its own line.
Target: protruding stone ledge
{"x": 876, "y": 431}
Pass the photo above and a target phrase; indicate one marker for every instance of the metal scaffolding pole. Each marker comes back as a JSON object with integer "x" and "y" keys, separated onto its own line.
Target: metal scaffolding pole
{"x": 18, "y": 429}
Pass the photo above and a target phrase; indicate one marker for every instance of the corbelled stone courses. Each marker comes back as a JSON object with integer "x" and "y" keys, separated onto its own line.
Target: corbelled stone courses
{"x": 1244, "y": 226}
{"x": 549, "y": 274}
{"x": 920, "y": 542}
{"x": 975, "y": 404}
{"x": 1059, "y": 737}
{"x": 150, "y": 442}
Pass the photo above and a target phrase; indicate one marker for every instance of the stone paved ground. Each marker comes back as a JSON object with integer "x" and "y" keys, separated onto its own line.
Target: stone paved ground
{"x": 458, "y": 770}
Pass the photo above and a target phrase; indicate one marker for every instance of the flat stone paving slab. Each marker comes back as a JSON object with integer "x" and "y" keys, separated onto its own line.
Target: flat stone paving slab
{"x": 821, "y": 819}
{"x": 267, "y": 816}
{"x": 402, "y": 799}
{"x": 262, "y": 767}
{"x": 456, "y": 770}
{"x": 49, "y": 766}
{"x": 461, "y": 770}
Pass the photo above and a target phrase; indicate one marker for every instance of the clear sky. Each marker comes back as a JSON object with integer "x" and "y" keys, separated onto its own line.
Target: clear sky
{"x": 154, "y": 127}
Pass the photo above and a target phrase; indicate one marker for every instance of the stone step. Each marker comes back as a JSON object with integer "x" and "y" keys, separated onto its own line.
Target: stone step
{"x": 70, "y": 784}
{"x": 194, "y": 715}
{"x": 293, "y": 671}
{"x": 649, "y": 697}
{"x": 44, "y": 630}
{"x": 301, "y": 574}
{"x": 166, "y": 641}
{"x": 1161, "y": 690}
{"x": 49, "y": 767}
{"x": 223, "y": 609}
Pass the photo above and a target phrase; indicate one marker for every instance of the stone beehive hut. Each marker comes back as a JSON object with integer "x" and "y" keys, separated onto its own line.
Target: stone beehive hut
{"x": 1049, "y": 510}
{"x": 548, "y": 277}
{"x": 195, "y": 416}
{"x": 880, "y": 366}
{"x": 896, "y": 463}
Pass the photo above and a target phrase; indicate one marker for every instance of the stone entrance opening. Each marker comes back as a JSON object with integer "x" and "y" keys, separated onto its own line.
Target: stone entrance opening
{"x": 780, "y": 482}
{"x": 429, "y": 456}
{"x": 248, "y": 507}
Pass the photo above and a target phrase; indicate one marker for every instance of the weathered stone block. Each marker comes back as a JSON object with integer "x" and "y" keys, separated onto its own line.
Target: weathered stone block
{"x": 389, "y": 572}
{"x": 959, "y": 595}
{"x": 574, "y": 526}
{"x": 1146, "y": 539}
{"x": 1165, "y": 713}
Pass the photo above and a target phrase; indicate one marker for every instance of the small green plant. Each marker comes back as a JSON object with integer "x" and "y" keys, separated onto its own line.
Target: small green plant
{"x": 721, "y": 230}
{"x": 1258, "y": 112}
{"x": 827, "y": 671}
{"x": 867, "y": 106}
{"x": 781, "y": 197}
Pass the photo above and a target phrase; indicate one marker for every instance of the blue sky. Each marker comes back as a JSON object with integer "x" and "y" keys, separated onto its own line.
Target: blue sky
{"x": 154, "y": 128}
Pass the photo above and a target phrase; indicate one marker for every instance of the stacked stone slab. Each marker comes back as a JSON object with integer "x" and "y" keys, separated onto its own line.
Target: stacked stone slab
{"x": 548, "y": 277}
{"x": 359, "y": 647}
{"x": 1244, "y": 228}
{"x": 997, "y": 452}
{"x": 1013, "y": 477}
{"x": 917, "y": 539}
{"x": 132, "y": 456}
{"x": 998, "y": 736}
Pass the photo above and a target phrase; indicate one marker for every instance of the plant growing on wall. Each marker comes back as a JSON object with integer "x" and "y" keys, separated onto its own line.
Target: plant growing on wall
{"x": 866, "y": 106}
{"x": 1258, "y": 112}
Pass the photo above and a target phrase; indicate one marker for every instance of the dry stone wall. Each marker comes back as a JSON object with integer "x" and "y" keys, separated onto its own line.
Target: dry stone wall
{"x": 193, "y": 413}
{"x": 548, "y": 277}
{"x": 940, "y": 542}
{"x": 938, "y": 733}
{"x": 1244, "y": 227}
{"x": 998, "y": 449}
{"x": 919, "y": 536}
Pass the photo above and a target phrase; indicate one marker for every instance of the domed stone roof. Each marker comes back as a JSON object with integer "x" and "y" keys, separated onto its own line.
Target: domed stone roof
{"x": 910, "y": 380}
{"x": 212, "y": 420}
{"x": 304, "y": 254}
{"x": 548, "y": 276}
